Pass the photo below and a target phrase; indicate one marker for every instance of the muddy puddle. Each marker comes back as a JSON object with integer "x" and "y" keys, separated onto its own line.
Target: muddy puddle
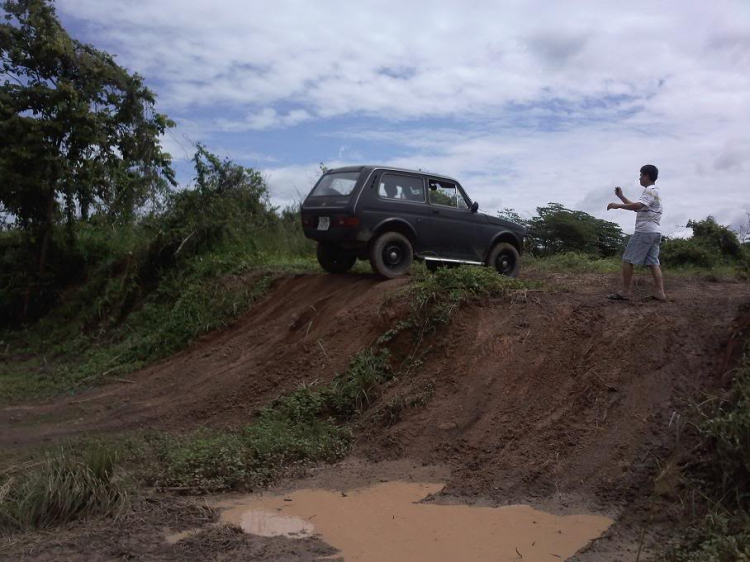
{"x": 386, "y": 522}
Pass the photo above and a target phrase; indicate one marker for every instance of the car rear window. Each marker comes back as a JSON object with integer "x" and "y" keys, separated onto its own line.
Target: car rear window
{"x": 336, "y": 184}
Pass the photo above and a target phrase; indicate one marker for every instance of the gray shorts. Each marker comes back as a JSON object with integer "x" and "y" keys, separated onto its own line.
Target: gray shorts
{"x": 643, "y": 249}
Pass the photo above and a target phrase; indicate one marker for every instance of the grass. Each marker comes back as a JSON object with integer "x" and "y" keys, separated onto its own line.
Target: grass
{"x": 721, "y": 476}
{"x": 85, "y": 479}
{"x": 573, "y": 262}
{"x": 435, "y": 297}
{"x": 64, "y": 485}
{"x": 306, "y": 426}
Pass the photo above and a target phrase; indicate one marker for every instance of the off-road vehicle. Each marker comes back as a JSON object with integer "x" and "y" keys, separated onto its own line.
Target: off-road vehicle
{"x": 392, "y": 216}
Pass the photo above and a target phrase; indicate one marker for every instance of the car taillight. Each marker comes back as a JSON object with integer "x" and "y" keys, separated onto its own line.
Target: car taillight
{"x": 345, "y": 222}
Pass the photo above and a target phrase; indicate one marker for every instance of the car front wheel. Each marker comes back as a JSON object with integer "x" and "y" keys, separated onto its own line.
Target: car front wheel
{"x": 505, "y": 259}
{"x": 391, "y": 255}
{"x": 335, "y": 259}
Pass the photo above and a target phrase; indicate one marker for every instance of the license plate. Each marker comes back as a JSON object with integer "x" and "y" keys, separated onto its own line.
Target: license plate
{"x": 324, "y": 223}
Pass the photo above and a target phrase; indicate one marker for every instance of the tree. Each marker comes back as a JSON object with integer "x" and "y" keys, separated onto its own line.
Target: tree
{"x": 715, "y": 236}
{"x": 511, "y": 215}
{"x": 558, "y": 229}
{"x": 75, "y": 128}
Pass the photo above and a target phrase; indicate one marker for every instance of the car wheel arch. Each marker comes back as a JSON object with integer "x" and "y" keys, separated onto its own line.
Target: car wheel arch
{"x": 506, "y": 236}
{"x": 395, "y": 225}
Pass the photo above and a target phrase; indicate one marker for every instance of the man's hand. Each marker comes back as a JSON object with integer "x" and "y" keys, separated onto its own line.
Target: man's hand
{"x": 618, "y": 191}
{"x": 613, "y": 206}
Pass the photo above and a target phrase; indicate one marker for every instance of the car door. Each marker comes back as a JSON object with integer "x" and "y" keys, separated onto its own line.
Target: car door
{"x": 400, "y": 196}
{"x": 455, "y": 232}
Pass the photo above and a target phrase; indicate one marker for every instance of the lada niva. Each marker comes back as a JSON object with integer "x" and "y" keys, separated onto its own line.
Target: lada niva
{"x": 391, "y": 216}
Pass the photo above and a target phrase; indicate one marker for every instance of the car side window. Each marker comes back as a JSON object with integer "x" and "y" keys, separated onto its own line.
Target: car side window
{"x": 400, "y": 187}
{"x": 443, "y": 193}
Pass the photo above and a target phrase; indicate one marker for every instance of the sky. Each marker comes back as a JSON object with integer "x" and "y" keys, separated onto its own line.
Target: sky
{"x": 524, "y": 102}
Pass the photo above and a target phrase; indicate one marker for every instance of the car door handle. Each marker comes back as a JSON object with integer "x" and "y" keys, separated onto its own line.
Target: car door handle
{"x": 435, "y": 212}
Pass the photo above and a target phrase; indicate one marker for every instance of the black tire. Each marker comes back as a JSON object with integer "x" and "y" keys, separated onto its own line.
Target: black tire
{"x": 505, "y": 259}
{"x": 335, "y": 259}
{"x": 391, "y": 255}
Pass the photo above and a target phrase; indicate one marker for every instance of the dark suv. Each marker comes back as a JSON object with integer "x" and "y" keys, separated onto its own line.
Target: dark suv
{"x": 392, "y": 216}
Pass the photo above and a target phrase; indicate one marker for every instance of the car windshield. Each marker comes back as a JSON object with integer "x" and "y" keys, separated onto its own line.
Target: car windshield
{"x": 336, "y": 184}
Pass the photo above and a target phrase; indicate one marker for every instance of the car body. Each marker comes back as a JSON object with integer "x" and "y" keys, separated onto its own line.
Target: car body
{"x": 392, "y": 216}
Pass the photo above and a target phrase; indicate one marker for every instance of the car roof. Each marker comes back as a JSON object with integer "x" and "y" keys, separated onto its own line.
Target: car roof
{"x": 370, "y": 167}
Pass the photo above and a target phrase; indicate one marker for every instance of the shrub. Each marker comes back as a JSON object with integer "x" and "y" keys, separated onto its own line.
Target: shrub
{"x": 688, "y": 252}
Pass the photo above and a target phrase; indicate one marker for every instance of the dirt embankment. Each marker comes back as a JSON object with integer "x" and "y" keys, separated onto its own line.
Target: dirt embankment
{"x": 559, "y": 387}
{"x": 555, "y": 393}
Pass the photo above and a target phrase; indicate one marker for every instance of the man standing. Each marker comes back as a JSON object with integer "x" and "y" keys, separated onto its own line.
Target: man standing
{"x": 643, "y": 248}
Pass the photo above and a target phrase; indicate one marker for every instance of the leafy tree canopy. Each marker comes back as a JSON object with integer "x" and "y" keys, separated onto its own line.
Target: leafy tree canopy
{"x": 715, "y": 236}
{"x": 557, "y": 229}
{"x": 75, "y": 128}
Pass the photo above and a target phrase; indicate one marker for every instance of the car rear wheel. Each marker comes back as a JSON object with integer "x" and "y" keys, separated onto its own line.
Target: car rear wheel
{"x": 391, "y": 255}
{"x": 335, "y": 259}
{"x": 505, "y": 259}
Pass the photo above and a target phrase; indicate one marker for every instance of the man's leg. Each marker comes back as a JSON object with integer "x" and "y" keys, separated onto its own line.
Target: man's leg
{"x": 627, "y": 279}
{"x": 659, "y": 282}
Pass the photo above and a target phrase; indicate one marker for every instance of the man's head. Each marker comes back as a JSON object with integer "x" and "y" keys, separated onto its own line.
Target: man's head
{"x": 391, "y": 190}
{"x": 649, "y": 173}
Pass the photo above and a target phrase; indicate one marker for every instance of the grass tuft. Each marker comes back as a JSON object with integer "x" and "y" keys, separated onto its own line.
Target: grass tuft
{"x": 66, "y": 485}
{"x": 434, "y": 297}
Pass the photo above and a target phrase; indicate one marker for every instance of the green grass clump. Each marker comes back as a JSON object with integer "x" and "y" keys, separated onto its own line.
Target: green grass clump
{"x": 434, "y": 297}
{"x": 718, "y": 538}
{"x": 722, "y": 475}
{"x": 293, "y": 431}
{"x": 66, "y": 485}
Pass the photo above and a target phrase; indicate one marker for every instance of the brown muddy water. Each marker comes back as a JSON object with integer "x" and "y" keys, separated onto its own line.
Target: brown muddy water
{"x": 386, "y": 522}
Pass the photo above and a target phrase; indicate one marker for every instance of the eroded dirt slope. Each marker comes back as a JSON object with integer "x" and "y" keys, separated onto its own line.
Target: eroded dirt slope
{"x": 541, "y": 392}
{"x": 556, "y": 398}
{"x": 564, "y": 391}
{"x": 307, "y": 329}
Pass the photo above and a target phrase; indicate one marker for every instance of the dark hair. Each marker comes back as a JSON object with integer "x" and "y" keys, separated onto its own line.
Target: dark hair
{"x": 651, "y": 171}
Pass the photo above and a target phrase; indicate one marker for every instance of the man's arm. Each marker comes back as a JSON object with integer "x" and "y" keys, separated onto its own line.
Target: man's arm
{"x": 629, "y": 206}
{"x": 619, "y": 193}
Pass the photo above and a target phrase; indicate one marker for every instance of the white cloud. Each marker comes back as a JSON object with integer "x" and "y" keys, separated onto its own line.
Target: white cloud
{"x": 268, "y": 118}
{"x": 543, "y": 101}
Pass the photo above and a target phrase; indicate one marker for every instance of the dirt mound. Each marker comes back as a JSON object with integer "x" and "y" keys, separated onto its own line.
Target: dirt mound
{"x": 562, "y": 390}
{"x": 307, "y": 329}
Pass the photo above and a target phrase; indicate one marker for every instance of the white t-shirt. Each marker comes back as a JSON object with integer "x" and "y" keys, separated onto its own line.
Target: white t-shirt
{"x": 648, "y": 218}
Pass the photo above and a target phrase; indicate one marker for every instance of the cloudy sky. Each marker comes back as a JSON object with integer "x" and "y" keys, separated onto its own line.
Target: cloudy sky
{"x": 524, "y": 102}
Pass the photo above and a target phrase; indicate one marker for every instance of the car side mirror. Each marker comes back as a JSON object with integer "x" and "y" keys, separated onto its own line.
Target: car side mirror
{"x": 474, "y": 207}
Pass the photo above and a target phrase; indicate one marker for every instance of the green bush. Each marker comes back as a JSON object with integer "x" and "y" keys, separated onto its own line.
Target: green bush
{"x": 678, "y": 251}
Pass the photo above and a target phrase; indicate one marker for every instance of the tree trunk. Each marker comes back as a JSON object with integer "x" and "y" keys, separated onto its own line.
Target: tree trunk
{"x": 46, "y": 237}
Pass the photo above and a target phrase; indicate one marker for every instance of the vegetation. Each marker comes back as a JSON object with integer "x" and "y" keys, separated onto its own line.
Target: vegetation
{"x": 77, "y": 133}
{"x": 66, "y": 484}
{"x": 578, "y": 242}
{"x": 557, "y": 229}
{"x": 435, "y": 297}
{"x": 292, "y": 432}
{"x": 712, "y": 245}
{"x": 153, "y": 286}
{"x": 721, "y": 475}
